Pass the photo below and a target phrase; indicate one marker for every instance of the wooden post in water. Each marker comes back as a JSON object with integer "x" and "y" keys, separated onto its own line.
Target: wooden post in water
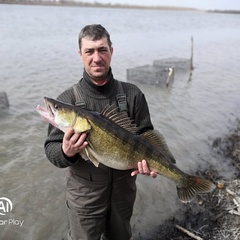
{"x": 191, "y": 61}
{"x": 170, "y": 75}
{"x": 3, "y": 100}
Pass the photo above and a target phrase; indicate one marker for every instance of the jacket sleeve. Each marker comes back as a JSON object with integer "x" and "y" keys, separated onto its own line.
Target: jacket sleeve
{"x": 142, "y": 115}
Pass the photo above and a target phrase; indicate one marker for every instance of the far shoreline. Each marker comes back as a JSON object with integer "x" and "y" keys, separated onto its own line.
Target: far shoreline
{"x": 109, "y": 5}
{"x": 96, "y": 5}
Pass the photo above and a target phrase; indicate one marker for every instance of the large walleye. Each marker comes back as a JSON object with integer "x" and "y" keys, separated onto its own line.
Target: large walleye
{"x": 113, "y": 141}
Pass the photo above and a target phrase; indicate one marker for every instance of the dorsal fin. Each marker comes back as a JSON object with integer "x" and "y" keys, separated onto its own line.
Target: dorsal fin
{"x": 120, "y": 118}
{"x": 157, "y": 139}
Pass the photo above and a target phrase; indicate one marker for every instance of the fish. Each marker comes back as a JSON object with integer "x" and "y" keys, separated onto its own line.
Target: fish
{"x": 114, "y": 141}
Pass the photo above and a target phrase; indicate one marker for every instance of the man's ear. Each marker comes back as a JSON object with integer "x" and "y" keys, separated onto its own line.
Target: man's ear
{"x": 80, "y": 53}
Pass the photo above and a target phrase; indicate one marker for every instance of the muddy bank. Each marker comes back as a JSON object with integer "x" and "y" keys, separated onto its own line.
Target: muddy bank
{"x": 216, "y": 215}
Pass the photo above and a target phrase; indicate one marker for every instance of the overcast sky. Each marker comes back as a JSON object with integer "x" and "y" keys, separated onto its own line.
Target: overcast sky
{"x": 199, "y": 4}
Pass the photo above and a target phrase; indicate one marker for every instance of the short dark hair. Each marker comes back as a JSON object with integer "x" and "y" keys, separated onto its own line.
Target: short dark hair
{"x": 93, "y": 32}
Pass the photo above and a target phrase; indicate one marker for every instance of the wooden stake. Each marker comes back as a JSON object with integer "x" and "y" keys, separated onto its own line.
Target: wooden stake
{"x": 192, "y": 235}
{"x": 191, "y": 59}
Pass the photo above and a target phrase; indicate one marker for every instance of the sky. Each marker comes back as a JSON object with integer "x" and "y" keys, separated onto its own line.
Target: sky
{"x": 199, "y": 4}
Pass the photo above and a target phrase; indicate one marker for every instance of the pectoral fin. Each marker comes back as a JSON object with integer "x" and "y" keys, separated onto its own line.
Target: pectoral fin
{"x": 81, "y": 125}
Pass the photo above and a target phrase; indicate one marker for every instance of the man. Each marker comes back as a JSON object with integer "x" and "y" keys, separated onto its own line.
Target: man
{"x": 99, "y": 199}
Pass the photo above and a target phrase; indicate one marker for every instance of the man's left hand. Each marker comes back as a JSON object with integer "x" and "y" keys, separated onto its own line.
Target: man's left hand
{"x": 143, "y": 169}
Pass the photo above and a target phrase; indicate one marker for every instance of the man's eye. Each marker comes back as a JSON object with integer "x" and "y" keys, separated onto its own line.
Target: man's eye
{"x": 88, "y": 52}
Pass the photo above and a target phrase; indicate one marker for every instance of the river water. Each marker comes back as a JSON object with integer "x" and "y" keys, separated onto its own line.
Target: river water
{"x": 38, "y": 52}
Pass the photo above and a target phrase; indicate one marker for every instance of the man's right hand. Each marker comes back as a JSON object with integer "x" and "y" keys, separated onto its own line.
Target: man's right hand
{"x": 73, "y": 143}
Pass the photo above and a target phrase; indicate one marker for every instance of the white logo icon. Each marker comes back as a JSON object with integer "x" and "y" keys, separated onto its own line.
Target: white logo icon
{"x": 5, "y": 205}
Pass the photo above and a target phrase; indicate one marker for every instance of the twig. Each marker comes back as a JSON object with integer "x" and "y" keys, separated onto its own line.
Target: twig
{"x": 218, "y": 216}
{"x": 230, "y": 192}
{"x": 192, "y": 235}
{"x": 234, "y": 212}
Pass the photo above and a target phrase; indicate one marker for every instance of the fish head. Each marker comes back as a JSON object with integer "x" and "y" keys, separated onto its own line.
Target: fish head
{"x": 62, "y": 115}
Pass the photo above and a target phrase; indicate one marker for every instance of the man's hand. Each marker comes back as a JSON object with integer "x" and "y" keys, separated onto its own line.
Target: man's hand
{"x": 73, "y": 143}
{"x": 143, "y": 169}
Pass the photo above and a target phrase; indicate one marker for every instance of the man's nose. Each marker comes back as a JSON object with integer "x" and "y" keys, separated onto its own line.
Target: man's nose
{"x": 96, "y": 56}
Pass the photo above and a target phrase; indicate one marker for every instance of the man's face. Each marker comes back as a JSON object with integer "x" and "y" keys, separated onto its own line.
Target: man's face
{"x": 96, "y": 57}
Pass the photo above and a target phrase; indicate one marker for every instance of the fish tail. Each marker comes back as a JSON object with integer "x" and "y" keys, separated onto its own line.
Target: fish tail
{"x": 192, "y": 186}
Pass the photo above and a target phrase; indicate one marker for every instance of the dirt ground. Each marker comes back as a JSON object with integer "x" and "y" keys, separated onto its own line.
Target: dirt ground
{"x": 216, "y": 215}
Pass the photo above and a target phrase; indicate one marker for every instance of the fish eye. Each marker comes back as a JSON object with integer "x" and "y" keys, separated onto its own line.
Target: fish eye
{"x": 56, "y": 106}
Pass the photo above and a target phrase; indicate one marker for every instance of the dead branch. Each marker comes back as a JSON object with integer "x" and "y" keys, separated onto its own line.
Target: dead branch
{"x": 192, "y": 235}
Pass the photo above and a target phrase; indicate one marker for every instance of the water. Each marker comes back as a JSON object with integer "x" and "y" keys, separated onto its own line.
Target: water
{"x": 38, "y": 51}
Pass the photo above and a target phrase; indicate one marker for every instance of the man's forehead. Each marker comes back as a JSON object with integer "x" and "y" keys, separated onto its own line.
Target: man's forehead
{"x": 89, "y": 43}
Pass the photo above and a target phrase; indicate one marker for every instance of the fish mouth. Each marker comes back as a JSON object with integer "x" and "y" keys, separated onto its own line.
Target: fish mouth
{"x": 49, "y": 108}
{"x": 43, "y": 111}
{"x": 47, "y": 112}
